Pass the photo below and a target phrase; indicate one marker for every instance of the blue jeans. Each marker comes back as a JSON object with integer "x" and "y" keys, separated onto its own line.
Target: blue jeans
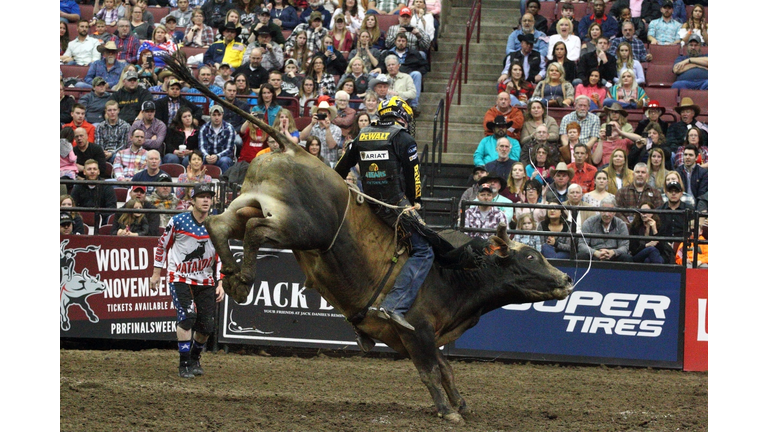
{"x": 411, "y": 277}
{"x": 224, "y": 163}
{"x": 416, "y": 76}
{"x": 549, "y": 251}
{"x": 172, "y": 158}
{"x": 691, "y": 85}
{"x": 648, "y": 255}
{"x": 626, "y": 105}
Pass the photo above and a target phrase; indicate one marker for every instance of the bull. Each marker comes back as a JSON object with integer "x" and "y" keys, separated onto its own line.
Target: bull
{"x": 292, "y": 200}
{"x": 76, "y": 290}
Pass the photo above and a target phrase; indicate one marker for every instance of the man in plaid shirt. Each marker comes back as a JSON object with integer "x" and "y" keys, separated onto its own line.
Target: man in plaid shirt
{"x": 131, "y": 160}
{"x": 314, "y": 30}
{"x": 127, "y": 43}
{"x": 112, "y": 134}
{"x": 217, "y": 140}
{"x": 628, "y": 35}
{"x": 630, "y": 196}
{"x": 484, "y": 216}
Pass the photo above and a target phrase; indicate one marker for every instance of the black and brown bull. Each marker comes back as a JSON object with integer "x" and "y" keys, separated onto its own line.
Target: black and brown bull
{"x": 294, "y": 201}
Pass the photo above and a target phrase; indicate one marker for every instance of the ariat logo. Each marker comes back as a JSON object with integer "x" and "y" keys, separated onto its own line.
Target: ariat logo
{"x": 374, "y": 155}
{"x": 373, "y": 136}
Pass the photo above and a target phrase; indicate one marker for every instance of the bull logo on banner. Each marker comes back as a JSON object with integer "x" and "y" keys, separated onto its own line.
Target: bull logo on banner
{"x": 75, "y": 288}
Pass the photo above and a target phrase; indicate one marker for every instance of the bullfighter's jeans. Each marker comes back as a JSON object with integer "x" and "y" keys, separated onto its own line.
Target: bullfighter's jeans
{"x": 411, "y": 277}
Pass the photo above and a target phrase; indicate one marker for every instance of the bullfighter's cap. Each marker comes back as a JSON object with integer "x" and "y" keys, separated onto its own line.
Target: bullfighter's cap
{"x": 203, "y": 188}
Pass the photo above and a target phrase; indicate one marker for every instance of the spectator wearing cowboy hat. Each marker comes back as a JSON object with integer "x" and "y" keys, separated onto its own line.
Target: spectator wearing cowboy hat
{"x": 321, "y": 126}
{"x": 486, "y": 149}
{"x": 226, "y": 50}
{"x": 107, "y": 67}
{"x": 484, "y": 216}
{"x": 619, "y": 136}
{"x": 653, "y": 113}
{"x": 532, "y": 61}
{"x": 380, "y": 85}
{"x": 503, "y": 107}
{"x": 498, "y": 184}
{"x": 676, "y": 132}
{"x": 263, "y": 24}
{"x": 561, "y": 176}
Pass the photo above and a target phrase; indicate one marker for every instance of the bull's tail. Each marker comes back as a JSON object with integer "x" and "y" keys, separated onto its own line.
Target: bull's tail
{"x": 178, "y": 65}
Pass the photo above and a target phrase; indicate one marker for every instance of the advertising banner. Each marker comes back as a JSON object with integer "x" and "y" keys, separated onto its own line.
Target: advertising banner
{"x": 696, "y": 320}
{"x": 104, "y": 290}
{"x": 281, "y": 311}
{"x": 622, "y": 315}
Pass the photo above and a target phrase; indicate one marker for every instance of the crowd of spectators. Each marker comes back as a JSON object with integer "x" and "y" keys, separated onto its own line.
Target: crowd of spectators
{"x": 592, "y": 70}
{"x": 314, "y": 70}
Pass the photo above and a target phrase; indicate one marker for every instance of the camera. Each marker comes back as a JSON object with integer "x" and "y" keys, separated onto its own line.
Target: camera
{"x": 408, "y": 28}
{"x": 608, "y": 130}
{"x": 321, "y": 116}
{"x": 264, "y": 46}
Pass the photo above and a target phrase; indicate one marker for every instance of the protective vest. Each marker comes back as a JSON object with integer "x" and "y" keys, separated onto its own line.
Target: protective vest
{"x": 380, "y": 169}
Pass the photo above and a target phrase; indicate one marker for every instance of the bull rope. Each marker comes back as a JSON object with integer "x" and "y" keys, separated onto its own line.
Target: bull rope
{"x": 393, "y": 207}
{"x": 338, "y": 230}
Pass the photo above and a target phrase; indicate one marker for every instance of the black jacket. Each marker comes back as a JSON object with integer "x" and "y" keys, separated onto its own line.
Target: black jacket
{"x": 130, "y": 102}
{"x": 216, "y": 12}
{"x": 588, "y": 61}
{"x": 413, "y": 61}
{"x": 161, "y": 110}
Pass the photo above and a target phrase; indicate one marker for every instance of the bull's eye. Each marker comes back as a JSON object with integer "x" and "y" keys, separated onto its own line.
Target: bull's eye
{"x": 530, "y": 257}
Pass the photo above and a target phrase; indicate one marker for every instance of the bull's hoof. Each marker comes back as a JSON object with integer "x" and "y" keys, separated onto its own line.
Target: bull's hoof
{"x": 453, "y": 417}
{"x": 236, "y": 288}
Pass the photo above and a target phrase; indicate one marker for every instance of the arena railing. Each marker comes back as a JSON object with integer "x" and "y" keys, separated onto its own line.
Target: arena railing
{"x": 686, "y": 240}
{"x": 454, "y": 84}
{"x": 474, "y": 20}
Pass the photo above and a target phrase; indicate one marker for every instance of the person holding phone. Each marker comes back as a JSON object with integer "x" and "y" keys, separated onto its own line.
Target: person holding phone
{"x": 417, "y": 39}
{"x": 322, "y": 127}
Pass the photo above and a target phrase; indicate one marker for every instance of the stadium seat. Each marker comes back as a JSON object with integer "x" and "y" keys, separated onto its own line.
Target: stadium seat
{"x": 158, "y": 12}
{"x": 213, "y": 171}
{"x": 664, "y": 54}
{"x": 699, "y": 97}
{"x": 549, "y": 10}
{"x": 86, "y": 11}
{"x": 73, "y": 71}
{"x": 659, "y": 75}
{"x": 121, "y": 193}
{"x": 191, "y": 51}
{"x": 105, "y": 229}
{"x": 582, "y": 9}
{"x": 302, "y": 122}
{"x": 173, "y": 169}
{"x": 89, "y": 218}
{"x": 667, "y": 97}
{"x": 108, "y": 172}
{"x": 385, "y": 22}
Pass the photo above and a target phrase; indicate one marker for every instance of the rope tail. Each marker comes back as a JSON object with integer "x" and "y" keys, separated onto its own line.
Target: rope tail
{"x": 178, "y": 65}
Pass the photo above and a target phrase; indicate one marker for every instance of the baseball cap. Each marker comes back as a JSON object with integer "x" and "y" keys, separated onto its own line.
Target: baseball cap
{"x": 315, "y": 15}
{"x": 174, "y": 81}
{"x": 479, "y": 168}
{"x": 131, "y": 75}
{"x": 264, "y": 11}
{"x": 64, "y": 218}
{"x": 694, "y": 37}
{"x": 98, "y": 81}
{"x": 203, "y": 188}
{"x": 163, "y": 177}
{"x": 141, "y": 188}
{"x": 674, "y": 185}
{"x": 406, "y": 11}
{"x": 216, "y": 108}
{"x": 170, "y": 18}
{"x": 485, "y": 187}
{"x": 148, "y": 106}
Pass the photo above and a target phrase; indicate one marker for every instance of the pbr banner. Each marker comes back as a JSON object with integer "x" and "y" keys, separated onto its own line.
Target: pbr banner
{"x": 280, "y": 310}
{"x": 620, "y": 315}
{"x": 105, "y": 292}
{"x": 696, "y": 320}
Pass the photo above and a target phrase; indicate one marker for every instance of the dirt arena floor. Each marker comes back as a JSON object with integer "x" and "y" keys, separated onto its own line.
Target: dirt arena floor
{"x": 139, "y": 390}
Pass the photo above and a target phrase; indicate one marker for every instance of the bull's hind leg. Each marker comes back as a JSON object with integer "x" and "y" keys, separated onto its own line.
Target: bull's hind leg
{"x": 421, "y": 347}
{"x": 449, "y": 385}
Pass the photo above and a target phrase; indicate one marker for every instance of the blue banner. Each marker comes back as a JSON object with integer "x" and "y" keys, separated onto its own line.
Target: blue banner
{"x": 616, "y": 315}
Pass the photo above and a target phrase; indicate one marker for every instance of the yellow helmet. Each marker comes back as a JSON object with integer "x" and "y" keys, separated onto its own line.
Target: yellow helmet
{"x": 396, "y": 107}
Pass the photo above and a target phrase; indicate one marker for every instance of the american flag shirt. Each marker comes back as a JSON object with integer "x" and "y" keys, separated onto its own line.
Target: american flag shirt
{"x": 190, "y": 254}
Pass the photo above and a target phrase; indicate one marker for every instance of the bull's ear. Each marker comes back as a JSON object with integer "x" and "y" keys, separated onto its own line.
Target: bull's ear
{"x": 497, "y": 246}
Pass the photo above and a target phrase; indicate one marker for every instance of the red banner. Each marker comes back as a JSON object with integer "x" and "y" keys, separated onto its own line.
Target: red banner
{"x": 695, "y": 357}
{"x": 105, "y": 292}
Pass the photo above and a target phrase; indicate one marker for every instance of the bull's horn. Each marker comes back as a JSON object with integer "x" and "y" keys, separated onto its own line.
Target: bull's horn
{"x": 501, "y": 232}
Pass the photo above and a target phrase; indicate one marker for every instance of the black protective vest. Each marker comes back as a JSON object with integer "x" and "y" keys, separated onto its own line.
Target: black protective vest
{"x": 380, "y": 168}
